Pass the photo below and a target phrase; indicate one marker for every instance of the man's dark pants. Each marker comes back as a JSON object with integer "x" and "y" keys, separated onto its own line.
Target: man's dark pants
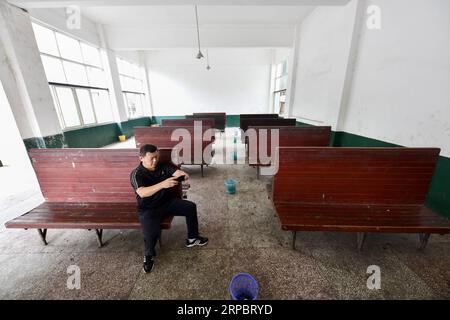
{"x": 151, "y": 221}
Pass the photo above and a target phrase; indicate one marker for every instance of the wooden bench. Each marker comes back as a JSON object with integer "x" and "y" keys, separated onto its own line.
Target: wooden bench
{"x": 161, "y": 137}
{"x": 317, "y": 136}
{"x": 86, "y": 189}
{"x": 356, "y": 190}
{"x": 206, "y": 122}
{"x": 220, "y": 118}
{"x": 265, "y": 122}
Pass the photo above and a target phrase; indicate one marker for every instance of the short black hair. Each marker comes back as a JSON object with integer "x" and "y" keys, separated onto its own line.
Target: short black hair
{"x": 147, "y": 148}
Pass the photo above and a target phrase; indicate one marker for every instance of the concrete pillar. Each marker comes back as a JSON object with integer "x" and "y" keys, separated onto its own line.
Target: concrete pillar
{"x": 292, "y": 72}
{"x": 23, "y": 78}
{"x": 113, "y": 79}
{"x": 148, "y": 110}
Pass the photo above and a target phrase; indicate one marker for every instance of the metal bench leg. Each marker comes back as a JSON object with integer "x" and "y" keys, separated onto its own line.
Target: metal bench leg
{"x": 202, "y": 170}
{"x": 360, "y": 237}
{"x": 423, "y": 239}
{"x": 258, "y": 172}
{"x": 99, "y": 233}
{"x": 294, "y": 237}
{"x": 160, "y": 239}
{"x": 43, "y": 234}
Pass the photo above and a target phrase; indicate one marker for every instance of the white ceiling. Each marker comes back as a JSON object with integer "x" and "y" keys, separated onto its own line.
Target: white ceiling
{"x": 133, "y": 16}
{"x": 159, "y": 24}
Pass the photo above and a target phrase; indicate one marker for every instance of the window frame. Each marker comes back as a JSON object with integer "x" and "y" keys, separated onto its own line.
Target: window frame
{"x": 73, "y": 87}
{"x": 124, "y": 92}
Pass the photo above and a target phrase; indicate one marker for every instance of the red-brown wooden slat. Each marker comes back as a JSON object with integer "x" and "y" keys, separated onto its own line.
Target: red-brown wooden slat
{"x": 86, "y": 188}
{"x": 356, "y": 189}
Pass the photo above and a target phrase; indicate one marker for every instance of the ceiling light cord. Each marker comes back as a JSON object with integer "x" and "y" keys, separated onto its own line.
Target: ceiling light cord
{"x": 199, "y": 54}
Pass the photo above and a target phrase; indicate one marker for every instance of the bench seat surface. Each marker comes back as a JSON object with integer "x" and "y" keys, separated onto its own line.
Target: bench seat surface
{"x": 58, "y": 215}
{"x": 360, "y": 218}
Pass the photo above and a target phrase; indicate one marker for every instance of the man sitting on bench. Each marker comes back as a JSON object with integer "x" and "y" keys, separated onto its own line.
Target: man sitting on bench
{"x": 151, "y": 181}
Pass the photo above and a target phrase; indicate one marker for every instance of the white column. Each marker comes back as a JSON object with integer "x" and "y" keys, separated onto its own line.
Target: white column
{"x": 23, "y": 76}
{"x": 112, "y": 75}
{"x": 292, "y": 72}
{"x": 147, "y": 88}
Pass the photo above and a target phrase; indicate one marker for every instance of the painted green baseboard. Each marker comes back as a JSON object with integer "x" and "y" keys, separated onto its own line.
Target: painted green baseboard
{"x": 438, "y": 198}
{"x": 303, "y": 124}
{"x": 233, "y": 121}
{"x": 344, "y": 139}
{"x": 35, "y": 142}
{"x": 53, "y": 141}
{"x": 127, "y": 126}
{"x": 93, "y": 137}
{"x": 157, "y": 119}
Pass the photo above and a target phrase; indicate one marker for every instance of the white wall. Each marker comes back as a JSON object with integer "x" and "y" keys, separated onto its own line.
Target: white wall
{"x": 401, "y": 84}
{"x": 325, "y": 40}
{"x": 57, "y": 18}
{"x": 398, "y": 87}
{"x": 19, "y": 189}
{"x": 238, "y": 82}
{"x": 23, "y": 75}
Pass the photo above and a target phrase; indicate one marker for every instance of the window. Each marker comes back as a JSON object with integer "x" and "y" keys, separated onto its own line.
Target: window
{"x": 131, "y": 80}
{"x": 279, "y": 94}
{"x": 76, "y": 77}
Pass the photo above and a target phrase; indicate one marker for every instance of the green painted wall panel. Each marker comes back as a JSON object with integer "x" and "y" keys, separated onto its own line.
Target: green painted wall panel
{"x": 157, "y": 119}
{"x": 35, "y": 142}
{"x": 127, "y": 126}
{"x": 93, "y": 137}
{"x": 438, "y": 198}
{"x": 233, "y": 121}
{"x": 344, "y": 139}
{"x": 54, "y": 141}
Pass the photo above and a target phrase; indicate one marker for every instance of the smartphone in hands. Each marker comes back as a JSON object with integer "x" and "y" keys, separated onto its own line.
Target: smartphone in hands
{"x": 180, "y": 178}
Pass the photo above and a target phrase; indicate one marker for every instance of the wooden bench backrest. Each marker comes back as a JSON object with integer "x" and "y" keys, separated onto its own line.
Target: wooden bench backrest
{"x": 393, "y": 176}
{"x": 87, "y": 175}
{"x": 258, "y": 115}
{"x": 206, "y": 122}
{"x": 161, "y": 137}
{"x": 263, "y": 122}
{"x": 220, "y": 118}
{"x": 314, "y": 136}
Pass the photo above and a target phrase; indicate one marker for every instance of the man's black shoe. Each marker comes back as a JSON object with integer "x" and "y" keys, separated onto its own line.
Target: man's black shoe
{"x": 148, "y": 264}
{"x": 199, "y": 241}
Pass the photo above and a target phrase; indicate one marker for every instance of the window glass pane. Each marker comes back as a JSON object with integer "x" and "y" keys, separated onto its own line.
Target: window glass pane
{"x": 284, "y": 67}
{"x": 102, "y": 106}
{"x": 277, "y": 84}
{"x": 69, "y": 48}
{"x": 134, "y": 105}
{"x": 84, "y": 100}
{"x": 45, "y": 39}
{"x": 96, "y": 77}
{"x": 68, "y": 107}
{"x": 283, "y": 82}
{"x": 55, "y": 102}
{"x": 278, "y": 70}
{"x": 120, "y": 66}
{"x": 91, "y": 55}
{"x": 53, "y": 69}
{"x": 76, "y": 73}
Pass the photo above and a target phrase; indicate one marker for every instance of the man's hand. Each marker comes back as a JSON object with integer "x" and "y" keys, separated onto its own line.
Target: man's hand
{"x": 169, "y": 183}
{"x": 181, "y": 173}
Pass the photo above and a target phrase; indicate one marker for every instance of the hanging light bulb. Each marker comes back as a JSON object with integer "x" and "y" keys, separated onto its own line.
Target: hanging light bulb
{"x": 199, "y": 54}
{"x": 208, "y": 67}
